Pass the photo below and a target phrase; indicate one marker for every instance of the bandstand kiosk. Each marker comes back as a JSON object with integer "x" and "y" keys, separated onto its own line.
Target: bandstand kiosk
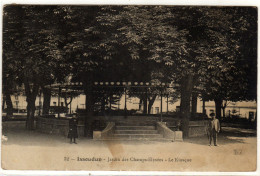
{"x": 104, "y": 125}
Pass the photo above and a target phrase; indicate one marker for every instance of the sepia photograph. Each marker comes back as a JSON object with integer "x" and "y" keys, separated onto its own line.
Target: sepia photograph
{"x": 129, "y": 88}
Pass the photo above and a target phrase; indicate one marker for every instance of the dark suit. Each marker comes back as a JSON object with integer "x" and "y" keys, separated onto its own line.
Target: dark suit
{"x": 213, "y": 130}
{"x": 73, "y": 129}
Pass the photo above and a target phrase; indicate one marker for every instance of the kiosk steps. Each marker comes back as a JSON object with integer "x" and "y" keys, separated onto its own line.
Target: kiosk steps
{"x": 136, "y": 131}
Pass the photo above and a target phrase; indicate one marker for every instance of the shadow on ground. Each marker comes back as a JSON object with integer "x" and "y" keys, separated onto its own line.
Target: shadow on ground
{"x": 17, "y": 135}
{"x": 228, "y": 135}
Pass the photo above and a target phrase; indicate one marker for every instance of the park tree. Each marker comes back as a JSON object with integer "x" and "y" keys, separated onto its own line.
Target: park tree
{"x": 85, "y": 53}
{"x": 141, "y": 29}
{"x": 151, "y": 34}
{"x": 33, "y": 43}
{"x": 228, "y": 77}
{"x": 10, "y": 64}
{"x": 212, "y": 54}
{"x": 98, "y": 41}
{"x": 195, "y": 47}
{"x": 206, "y": 41}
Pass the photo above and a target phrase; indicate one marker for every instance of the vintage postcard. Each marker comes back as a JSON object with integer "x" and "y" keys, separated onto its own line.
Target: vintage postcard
{"x": 129, "y": 88}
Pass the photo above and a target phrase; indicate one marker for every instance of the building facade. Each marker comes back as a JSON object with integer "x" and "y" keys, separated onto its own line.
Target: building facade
{"x": 245, "y": 109}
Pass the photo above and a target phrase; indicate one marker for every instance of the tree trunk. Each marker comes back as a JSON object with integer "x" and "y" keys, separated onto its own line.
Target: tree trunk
{"x": 218, "y": 103}
{"x": 30, "y": 98}
{"x": 66, "y": 99}
{"x": 9, "y": 104}
{"x": 88, "y": 119}
{"x": 223, "y": 112}
{"x": 145, "y": 104}
{"x": 28, "y": 120}
{"x": 151, "y": 102}
{"x": 46, "y": 100}
{"x": 3, "y": 103}
{"x": 67, "y": 103}
{"x": 71, "y": 98}
{"x": 140, "y": 103}
{"x": 70, "y": 106}
{"x": 194, "y": 104}
{"x": 223, "y": 106}
{"x": 186, "y": 89}
{"x": 103, "y": 105}
{"x": 30, "y": 114}
{"x": 203, "y": 106}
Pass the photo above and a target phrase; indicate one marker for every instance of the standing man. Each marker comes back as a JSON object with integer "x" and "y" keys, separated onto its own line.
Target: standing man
{"x": 73, "y": 128}
{"x": 213, "y": 129}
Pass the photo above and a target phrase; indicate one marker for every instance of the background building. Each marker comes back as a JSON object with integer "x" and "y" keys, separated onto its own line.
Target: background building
{"x": 243, "y": 109}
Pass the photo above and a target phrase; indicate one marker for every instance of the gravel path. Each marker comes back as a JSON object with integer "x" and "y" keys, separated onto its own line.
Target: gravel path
{"x": 26, "y": 150}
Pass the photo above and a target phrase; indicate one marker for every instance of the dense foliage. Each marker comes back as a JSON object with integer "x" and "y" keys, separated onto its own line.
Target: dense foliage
{"x": 208, "y": 51}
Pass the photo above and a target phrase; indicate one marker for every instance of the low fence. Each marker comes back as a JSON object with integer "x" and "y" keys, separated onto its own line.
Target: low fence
{"x": 106, "y": 133}
{"x": 165, "y": 131}
{"x": 198, "y": 128}
{"x": 13, "y": 125}
{"x": 61, "y": 126}
{"x": 56, "y": 126}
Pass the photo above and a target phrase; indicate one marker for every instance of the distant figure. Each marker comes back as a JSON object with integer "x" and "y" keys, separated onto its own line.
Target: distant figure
{"x": 73, "y": 131}
{"x": 4, "y": 138}
{"x": 213, "y": 129}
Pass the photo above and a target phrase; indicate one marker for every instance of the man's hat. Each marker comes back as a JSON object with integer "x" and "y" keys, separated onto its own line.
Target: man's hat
{"x": 212, "y": 114}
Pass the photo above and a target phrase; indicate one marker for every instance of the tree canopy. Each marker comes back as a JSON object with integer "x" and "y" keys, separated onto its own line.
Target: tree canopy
{"x": 207, "y": 50}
